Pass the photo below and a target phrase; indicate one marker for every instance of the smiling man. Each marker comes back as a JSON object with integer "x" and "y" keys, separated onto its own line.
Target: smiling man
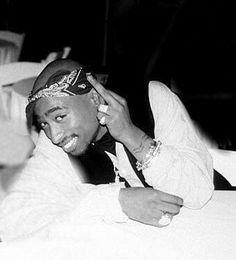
{"x": 69, "y": 120}
{"x": 150, "y": 179}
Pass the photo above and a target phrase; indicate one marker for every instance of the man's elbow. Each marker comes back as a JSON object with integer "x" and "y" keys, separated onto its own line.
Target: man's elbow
{"x": 201, "y": 197}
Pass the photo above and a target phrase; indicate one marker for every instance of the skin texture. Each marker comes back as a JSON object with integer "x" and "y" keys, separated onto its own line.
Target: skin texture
{"x": 147, "y": 205}
{"x": 70, "y": 118}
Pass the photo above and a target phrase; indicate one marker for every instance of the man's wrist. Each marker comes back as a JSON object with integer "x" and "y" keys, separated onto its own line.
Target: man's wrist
{"x": 138, "y": 143}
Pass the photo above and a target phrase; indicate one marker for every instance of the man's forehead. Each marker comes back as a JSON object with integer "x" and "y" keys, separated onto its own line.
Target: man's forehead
{"x": 44, "y": 105}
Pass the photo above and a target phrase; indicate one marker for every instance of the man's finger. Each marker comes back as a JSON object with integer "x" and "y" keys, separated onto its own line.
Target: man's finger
{"x": 166, "y": 197}
{"x": 101, "y": 90}
{"x": 103, "y": 120}
{"x": 165, "y": 220}
{"x": 169, "y": 207}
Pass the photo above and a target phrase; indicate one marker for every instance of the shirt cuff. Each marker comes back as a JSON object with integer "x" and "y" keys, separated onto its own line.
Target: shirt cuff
{"x": 109, "y": 198}
{"x": 101, "y": 203}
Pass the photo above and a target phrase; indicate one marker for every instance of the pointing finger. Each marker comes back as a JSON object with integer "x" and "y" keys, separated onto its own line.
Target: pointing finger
{"x": 101, "y": 90}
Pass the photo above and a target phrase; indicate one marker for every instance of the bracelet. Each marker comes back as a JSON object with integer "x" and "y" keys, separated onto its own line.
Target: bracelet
{"x": 154, "y": 149}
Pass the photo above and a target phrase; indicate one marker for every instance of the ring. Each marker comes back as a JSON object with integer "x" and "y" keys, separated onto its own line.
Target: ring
{"x": 165, "y": 219}
{"x": 102, "y": 108}
{"x": 102, "y": 120}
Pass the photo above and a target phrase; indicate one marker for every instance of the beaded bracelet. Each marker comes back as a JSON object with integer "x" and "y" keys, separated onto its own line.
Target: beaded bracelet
{"x": 154, "y": 149}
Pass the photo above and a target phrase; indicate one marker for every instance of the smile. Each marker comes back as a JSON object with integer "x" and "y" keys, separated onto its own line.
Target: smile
{"x": 71, "y": 145}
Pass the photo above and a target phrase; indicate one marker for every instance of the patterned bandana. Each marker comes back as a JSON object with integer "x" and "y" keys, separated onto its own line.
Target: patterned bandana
{"x": 63, "y": 84}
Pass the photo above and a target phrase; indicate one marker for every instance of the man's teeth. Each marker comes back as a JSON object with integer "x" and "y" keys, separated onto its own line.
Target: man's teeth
{"x": 70, "y": 143}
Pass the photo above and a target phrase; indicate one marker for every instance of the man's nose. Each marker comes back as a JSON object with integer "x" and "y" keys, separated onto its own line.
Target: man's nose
{"x": 56, "y": 134}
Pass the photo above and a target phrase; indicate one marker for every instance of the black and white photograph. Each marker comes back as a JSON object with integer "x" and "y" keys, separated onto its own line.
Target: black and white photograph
{"x": 117, "y": 130}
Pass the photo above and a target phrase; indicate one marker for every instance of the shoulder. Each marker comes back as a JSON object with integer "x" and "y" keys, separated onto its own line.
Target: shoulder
{"x": 157, "y": 87}
{"x": 160, "y": 94}
{"x": 46, "y": 151}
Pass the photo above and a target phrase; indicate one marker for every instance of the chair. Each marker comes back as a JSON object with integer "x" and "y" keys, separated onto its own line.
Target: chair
{"x": 57, "y": 55}
{"x": 11, "y": 44}
{"x": 16, "y": 81}
{"x": 16, "y": 71}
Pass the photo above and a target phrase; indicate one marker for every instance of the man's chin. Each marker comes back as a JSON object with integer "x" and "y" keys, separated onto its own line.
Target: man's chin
{"x": 78, "y": 152}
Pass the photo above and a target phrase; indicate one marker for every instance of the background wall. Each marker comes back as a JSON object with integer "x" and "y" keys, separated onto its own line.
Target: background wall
{"x": 187, "y": 44}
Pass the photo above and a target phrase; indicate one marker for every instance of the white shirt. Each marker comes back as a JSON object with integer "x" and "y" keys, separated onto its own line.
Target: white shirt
{"x": 50, "y": 191}
{"x": 184, "y": 166}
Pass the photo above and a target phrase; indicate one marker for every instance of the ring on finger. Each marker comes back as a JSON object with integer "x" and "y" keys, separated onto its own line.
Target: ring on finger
{"x": 165, "y": 219}
{"x": 102, "y": 108}
{"x": 103, "y": 120}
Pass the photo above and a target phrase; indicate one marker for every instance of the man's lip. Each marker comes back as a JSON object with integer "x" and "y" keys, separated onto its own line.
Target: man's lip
{"x": 70, "y": 145}
{"x": 66, "y": 140}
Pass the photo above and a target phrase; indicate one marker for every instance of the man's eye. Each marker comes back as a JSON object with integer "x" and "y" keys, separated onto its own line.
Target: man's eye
{"x": 60, "y": 118}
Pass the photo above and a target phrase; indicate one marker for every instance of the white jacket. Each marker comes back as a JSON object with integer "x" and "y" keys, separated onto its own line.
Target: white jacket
{"x": 184, "y": 166}
{"x": 49, "y": 193}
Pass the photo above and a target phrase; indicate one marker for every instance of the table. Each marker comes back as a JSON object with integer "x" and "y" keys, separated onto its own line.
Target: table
{"x": 209, "y": 233}
{"x": 205, "y": 234}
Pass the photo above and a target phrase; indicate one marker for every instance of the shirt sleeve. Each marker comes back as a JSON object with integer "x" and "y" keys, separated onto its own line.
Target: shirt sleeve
{"x": 48, "y": 192}
{"x": 184, "y": 166}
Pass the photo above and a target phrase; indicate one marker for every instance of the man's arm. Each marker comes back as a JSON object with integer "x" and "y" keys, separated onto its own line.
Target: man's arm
{"x": 184, "y": 166}
{"x": 48, "y": 191}
{"x": 180, "y": 164}
{"x": 48, "y": 194}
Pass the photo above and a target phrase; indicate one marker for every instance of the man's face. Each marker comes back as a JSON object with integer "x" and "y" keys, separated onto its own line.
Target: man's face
{"x": 69, "y": 122}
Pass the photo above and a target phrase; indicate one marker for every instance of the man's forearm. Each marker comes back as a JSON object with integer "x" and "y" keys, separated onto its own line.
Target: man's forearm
{"x": 137, "y": 142}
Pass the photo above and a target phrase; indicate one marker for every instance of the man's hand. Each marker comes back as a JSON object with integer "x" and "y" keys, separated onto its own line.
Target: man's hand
{"x": 147, "y": 205}
{"x": 115, "y": 115}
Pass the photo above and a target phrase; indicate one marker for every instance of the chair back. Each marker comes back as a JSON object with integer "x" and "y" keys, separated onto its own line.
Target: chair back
{"x": 57, "y": 55}
{"x": 16, "y": 71}
{"x": 16, "y": 82}
{"x": 14, "y": 38}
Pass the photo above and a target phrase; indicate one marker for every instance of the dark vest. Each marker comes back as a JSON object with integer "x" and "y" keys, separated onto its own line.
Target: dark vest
{"x": 99, "y": 167}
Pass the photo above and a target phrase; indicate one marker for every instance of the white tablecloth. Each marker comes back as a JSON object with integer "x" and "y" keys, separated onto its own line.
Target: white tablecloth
{"x": 209, "y": 233}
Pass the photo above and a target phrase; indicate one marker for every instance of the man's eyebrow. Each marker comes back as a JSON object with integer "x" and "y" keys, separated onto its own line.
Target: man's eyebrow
{"x": 53, "y": 109}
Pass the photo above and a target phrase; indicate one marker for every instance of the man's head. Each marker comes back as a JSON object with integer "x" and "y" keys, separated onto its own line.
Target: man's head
{"x": 64, "y": 105}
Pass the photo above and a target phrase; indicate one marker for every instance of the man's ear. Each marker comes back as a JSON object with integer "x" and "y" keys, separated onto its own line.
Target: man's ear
{"x": 96, "y": 98}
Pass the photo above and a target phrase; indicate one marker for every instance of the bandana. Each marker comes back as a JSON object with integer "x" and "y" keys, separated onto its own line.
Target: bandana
{"x": 63, "y": 83}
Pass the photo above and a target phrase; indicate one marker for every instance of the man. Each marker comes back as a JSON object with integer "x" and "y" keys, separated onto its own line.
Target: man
{"x": 74, "y": 111}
